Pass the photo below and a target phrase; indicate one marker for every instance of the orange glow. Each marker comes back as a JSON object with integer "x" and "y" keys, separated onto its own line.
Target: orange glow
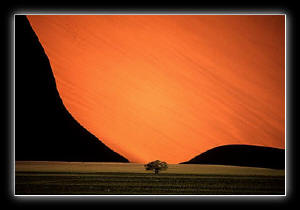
{"x": 170, "y": 87}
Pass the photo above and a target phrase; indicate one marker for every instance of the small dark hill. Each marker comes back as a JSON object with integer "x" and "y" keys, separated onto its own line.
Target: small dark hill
{"x": 242, "y": 155}
{"x": 44, "y": 129}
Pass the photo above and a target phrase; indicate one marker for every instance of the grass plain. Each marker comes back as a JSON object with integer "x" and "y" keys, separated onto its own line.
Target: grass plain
{"x": 94, "y": 178}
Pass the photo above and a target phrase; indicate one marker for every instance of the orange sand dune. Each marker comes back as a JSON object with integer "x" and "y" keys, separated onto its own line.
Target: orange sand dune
{"x": 170, "y": 87}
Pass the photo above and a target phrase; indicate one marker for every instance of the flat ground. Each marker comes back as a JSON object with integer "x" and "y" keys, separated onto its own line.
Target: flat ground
{"x": 81, "y": 178}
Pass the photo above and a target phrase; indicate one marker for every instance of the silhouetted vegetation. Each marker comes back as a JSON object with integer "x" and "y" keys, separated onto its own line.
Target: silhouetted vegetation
{"x": 156, "y": 166}
{"x": 66, "y": 178}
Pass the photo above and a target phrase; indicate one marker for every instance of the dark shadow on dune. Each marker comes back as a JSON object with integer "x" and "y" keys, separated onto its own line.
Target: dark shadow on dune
{"x": 242, "y": 155}
{"x": 45, "y": 130}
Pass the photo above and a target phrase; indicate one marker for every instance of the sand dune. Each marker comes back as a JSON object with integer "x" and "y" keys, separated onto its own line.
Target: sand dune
{"x": 170, "y": 87}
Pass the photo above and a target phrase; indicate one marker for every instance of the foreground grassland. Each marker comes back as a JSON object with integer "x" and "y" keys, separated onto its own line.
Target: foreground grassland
{"x": 63, "y": 178}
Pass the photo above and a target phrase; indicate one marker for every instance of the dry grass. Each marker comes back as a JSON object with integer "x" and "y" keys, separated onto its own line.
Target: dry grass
{"x": 62, "y": 178}
{"x": 96, "y": 167}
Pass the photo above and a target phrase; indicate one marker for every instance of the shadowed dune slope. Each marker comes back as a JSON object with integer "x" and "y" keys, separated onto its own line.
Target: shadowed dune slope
{"x": 242, "y": 155}
{"x": 45, "y": 130}
{"x": 170, "y": 87}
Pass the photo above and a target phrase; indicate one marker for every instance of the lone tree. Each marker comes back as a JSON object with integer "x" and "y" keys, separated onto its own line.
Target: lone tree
{"x": 156, "y": 166}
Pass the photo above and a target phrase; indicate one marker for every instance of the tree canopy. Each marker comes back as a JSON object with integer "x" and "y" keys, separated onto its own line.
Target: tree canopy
{"x": 156, "y": 166}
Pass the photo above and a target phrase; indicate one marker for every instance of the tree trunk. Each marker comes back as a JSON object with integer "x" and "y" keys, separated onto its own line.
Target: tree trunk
{"x": 156, "y": 171}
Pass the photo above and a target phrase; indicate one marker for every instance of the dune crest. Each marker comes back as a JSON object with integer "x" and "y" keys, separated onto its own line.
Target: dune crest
{"x": 170, "y": 87}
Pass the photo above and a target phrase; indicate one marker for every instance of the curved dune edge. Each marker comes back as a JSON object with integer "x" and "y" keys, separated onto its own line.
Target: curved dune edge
{"x": 170, "y": 87}
{"x": 45, "y": 129}
{"x": 242, "y": 155}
